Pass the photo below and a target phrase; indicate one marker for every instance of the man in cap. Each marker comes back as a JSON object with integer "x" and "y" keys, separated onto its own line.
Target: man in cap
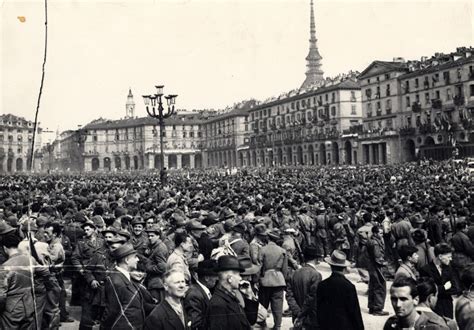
{"x": 258, "y": 242}
{"x": 337, "y": 296}
{"x": 127, "y": 303}
{"x": 198, "y": 297}
{"x": 109, "y": 233}
{"x": 155, "y": 265}
{"x": 139, "y": 237}
{"x": 274, "y": 261}
{"x": 92, "y": 247}
{"x": 301, "y": 290}
{"x": 237, "y": 242}
{"x": 322, "y": 231}
{"x": 225, "y": 311}
{"x": 377, "y": 282}
{"x": 201, "y": 242}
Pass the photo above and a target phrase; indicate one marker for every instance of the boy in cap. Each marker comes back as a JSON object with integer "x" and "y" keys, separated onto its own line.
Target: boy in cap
{"x": 155, "y": 264}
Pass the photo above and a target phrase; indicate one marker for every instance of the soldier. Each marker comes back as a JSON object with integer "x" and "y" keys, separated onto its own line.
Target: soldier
{"x": 85, "y": 257}
{"x": 139, "y": 237}
{"x": 155, "y": 266}
{"x": 322, "y": 232}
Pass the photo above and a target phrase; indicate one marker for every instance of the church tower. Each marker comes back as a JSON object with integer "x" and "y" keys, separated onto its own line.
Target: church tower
{"x": 130, "y": 106}
{"x": 314, "y": 74}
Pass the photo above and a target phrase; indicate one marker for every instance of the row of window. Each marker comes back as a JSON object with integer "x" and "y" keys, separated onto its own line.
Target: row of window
{"x": 10, "y": 138}
{"x": 434, "y": 79}
{"x": 298, "y": 105}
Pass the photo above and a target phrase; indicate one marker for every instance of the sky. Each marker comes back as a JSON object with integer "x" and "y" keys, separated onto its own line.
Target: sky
{"x": 211, "y": 53}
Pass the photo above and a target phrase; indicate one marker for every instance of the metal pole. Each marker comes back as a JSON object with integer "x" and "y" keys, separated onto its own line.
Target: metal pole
{"x": 162, "y": 156}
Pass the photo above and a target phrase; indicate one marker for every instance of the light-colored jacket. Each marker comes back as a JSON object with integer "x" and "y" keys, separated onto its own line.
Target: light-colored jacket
{"x": 465, "y": 311}
{"x": 274, "y": 261}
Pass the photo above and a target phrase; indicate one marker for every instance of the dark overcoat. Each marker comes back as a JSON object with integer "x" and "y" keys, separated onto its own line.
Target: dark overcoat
{"x": 225, "y": 312}
{"x": 338, "y": 305}
{"x": 196, "y": 305}
{"x": 163, "y": 317}
{"x": 126, "y": 303}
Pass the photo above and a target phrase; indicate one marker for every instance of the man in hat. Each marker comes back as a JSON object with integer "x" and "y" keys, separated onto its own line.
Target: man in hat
{"x": 237, "y": 242}
{"x": 109, "y": 233}
{"x": 336, "y": 298}
{"x": 170, "y": 313}
{"x": 201, "y": 241}
{"x": 155, "y": 265}
{"x": 274, "y": 261}
{"x": 322, "y": 231}
{"x": 377, "y": 282}
{"x": 92, "y": 247}
{"x": 258, "y": 242}
{"x": 301, "y": 290}
{"x": 198, "y": 297}
{"x": 463, "y": 253}
{"x": 139, "y": 237}
{"x": 127, "y": 303}
{"x": 225, "y": 311}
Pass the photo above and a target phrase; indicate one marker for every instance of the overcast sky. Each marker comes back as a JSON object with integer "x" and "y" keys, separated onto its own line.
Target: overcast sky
{"x": 211, "y": 53}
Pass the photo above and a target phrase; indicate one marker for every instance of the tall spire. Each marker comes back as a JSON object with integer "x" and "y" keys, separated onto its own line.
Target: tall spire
{"x": 130, "y": 105}
{"x": 314, "y": 74}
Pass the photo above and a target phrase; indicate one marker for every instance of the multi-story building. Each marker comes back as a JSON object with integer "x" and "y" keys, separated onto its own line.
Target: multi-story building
{"x": 16, "y": 135}
{"x": 416, "y": 109}
{"x": 304, "y": 126}
{"x": 225, "y": 134}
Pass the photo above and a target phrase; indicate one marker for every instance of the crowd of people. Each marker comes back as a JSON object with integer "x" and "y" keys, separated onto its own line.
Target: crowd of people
{"x": 223, "y": 250}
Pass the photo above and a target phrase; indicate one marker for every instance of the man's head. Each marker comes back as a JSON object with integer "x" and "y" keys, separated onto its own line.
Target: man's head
{"x": 89, "y": 229}
{"x": 138, "y": 229}
{"x": 149, "y": 223}
{"x": 428, "y": 292}
{"x": 404, "y": 297}
{"x": 52, "y": 230}
{"x": 174, "y": 283}
{"x": 153, "y": 236}
{"x": 10, "y": 243}
{"x": 443, "y": 253}
{"x": 126, "y": 257}
{"x": 184, "y": 241}
{"x": 206, "y": 271}
{"x": 377, "y": 231}
{"x": 230, "y": 279}
{"x": 408, "y": 254}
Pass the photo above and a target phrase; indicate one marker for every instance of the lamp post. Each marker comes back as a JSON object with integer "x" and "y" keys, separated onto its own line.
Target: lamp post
{"x": 154, "y": 108}
{"x": 80, "y": 137}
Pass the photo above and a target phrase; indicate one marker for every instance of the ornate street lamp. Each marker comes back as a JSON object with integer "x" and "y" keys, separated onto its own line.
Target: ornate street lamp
{"x": 154, "y": 108}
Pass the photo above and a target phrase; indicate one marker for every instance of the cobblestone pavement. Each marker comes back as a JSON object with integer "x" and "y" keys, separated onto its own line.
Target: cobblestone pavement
{"x": 371, "y": 322}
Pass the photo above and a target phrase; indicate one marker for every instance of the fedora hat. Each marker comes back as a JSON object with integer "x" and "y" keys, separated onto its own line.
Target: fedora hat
{"x": 274, "y": 234}
{"x": 207, "y": 267}
{"x": 228, "y": 262}
{"x": 154, "y": 229}
{"x": 337, "y": 258}
{"x": 261, "y": 229}
{"x": 110, "y": 229}
{"x": 123, "y": 251}
{"x": 195, "y": 225}
{"x": 250, "y": 268}
{"x": 311, "y": 252}
{"x": 124, "y": 233}
{"x": 5, "y": 228}
{"x": 88, "y": 223}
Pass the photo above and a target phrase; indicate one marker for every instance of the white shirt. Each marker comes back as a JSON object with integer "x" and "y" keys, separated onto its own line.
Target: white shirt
{"x": 206, "y": 290}
{"x": 124, "y": 272}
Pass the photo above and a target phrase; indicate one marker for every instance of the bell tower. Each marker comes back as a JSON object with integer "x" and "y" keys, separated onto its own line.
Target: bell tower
{"x": 130, "y": 105}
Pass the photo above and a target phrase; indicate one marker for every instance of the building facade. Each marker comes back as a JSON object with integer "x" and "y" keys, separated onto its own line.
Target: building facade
{"x": 304, "y": 126}
{"x": 16, "y": 135}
